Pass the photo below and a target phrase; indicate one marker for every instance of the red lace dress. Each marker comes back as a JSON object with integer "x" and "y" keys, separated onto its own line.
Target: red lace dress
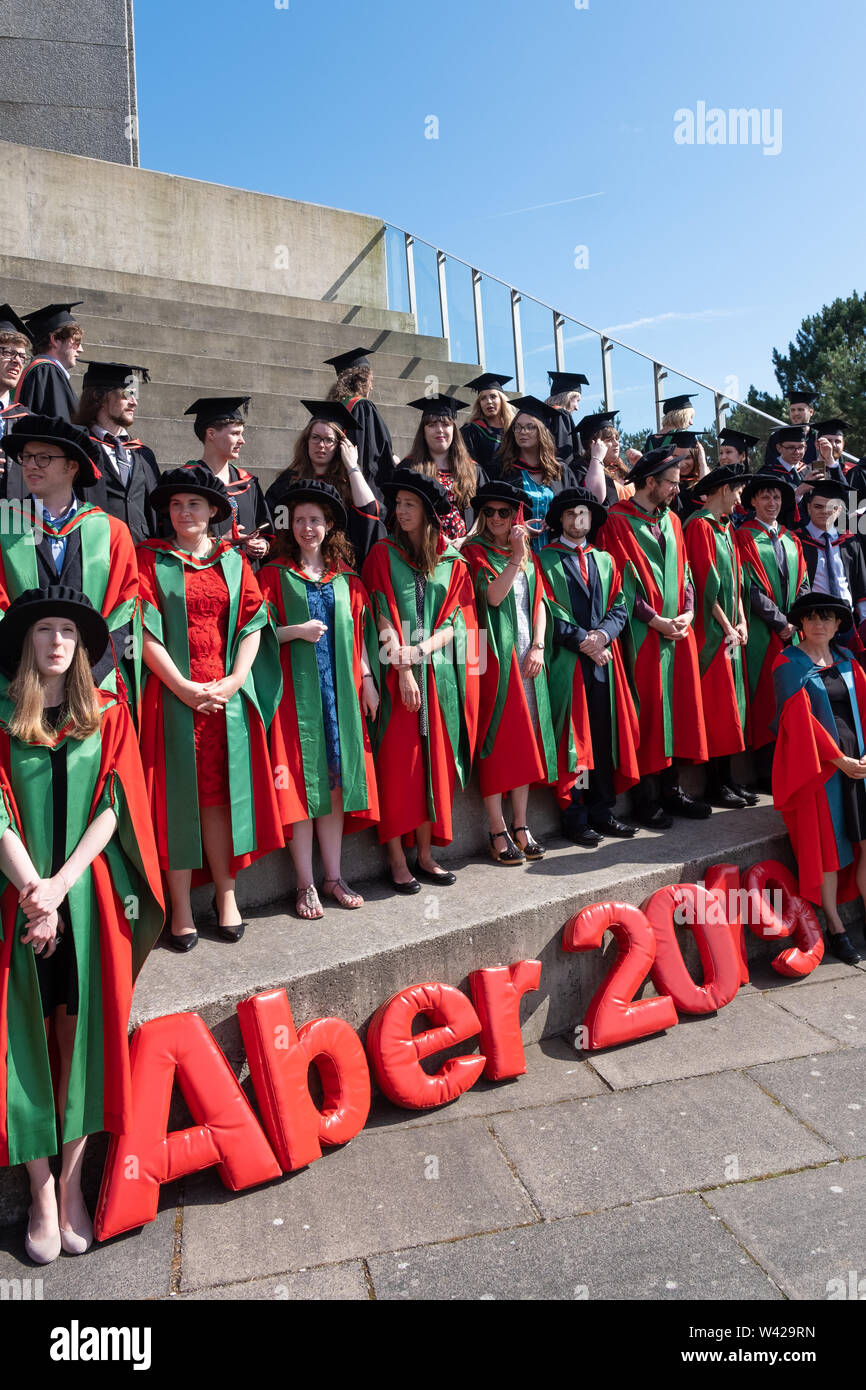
{"x": 207, "y": 606}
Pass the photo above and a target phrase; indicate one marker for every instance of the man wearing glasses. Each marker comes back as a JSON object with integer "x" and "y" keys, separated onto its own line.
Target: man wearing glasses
{"x": 129, "y": 469}
{"x": 14, "y": 352}
{"x": 44, "y": 387}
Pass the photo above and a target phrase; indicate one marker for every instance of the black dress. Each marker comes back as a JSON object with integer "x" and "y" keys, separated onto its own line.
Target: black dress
{"x": 853, "y": 790}
{"x": 57, "y": 974}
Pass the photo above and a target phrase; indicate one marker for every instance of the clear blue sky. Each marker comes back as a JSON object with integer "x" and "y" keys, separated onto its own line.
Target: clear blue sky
{"x": 705, "y": 256}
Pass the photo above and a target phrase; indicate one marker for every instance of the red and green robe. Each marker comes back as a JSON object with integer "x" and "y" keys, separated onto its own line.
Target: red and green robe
{"x": 761, "y": 570}
{"x": 167, "y": 737}
{"x": 297, "y": 736}
{"x": 416, "y": 773}
{"x": 566, "y": 684}
{"x": 116, "y": 914}
{"x": 109, "y": 577}
{"x": 664, "y": 675}
{"x": 715, "y": 566}
{"x": 511, "y": 752}
{"x": 807, "y": 788}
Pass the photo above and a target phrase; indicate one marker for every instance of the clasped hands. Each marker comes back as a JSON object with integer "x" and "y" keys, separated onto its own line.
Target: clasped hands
{"x": 210, "y": 697}
{"x": 39, "y": 902}
{"x": 594, "y": 645}
{"x": 673, "y": 628}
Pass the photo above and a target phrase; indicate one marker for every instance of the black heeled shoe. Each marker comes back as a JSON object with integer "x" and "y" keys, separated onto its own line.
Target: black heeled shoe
{"x": 232, "y": 934}
{"x": 510, "y": 855}
{"x": 532, "y": 849}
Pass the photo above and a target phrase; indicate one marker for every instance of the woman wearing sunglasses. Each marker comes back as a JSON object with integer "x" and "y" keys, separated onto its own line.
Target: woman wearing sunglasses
{"x": 515, "y": 734}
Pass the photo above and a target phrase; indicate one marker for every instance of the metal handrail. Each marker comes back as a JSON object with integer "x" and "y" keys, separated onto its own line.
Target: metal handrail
{"x": 723, "y": 401}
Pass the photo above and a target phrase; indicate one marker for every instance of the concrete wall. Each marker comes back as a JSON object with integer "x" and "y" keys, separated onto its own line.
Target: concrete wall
{"x": 67, "y": 77}
{"x": 54, "y": 208}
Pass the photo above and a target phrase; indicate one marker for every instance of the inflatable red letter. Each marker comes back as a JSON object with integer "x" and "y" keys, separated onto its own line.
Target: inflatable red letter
{"x": 396, "y": 1053}
{"x": 796, "y": 918}
{"x": 496, "y": 994}
{"x": 279, "y": 1061}
{"x": 613, "y": 1015}
{"x": 226, "y": 1132}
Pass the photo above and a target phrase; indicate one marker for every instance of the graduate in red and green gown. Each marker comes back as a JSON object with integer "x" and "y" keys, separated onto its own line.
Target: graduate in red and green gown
{"x": 819, "y": 768}
{"x": 52, "y": 536}
{"x": 212, "y": 688}
{"x": 774, "y": 574}
{"x": 321, "y": 750}
{"x": 721, "y": 631}
{"x": 594, "y": 718}
{"x": 645, "y": 540}
{"x": 516, "y": 744}
{"x": 80, "y": 903}
{"x": 423, "y": 598}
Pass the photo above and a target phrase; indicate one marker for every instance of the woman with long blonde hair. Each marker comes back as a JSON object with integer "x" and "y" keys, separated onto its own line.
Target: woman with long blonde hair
{"x": 491, "y": 416}
{"x": 76, "y": 848}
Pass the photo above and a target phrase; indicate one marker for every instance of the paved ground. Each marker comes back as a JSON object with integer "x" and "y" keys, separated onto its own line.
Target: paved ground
{"x": 723, "y": 1160}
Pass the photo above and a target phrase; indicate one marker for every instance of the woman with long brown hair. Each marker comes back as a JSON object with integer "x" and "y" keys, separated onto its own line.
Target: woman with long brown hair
{"x": 491, "y": 416}
{"x": 324, "y": 450}
{"x": 422, "y": 596}
{"x": 528, "y": 460}
{"x": 438, "y": 451}
{"x": 76, "y": 848}
{"x": 320, "y": 745}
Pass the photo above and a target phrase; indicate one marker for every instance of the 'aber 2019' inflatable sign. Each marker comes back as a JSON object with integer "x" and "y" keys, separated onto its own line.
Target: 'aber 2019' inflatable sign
{"x": 293, "y": 1128}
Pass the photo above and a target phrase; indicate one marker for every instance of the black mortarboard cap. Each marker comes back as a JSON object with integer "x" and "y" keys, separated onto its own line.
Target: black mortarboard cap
{"x": 439, "y": 405}
{"x": 11, "y": 323}
{"x": 113, "y": 376}
{"x": 677, "y": 439}
{"x": 42, "y": 322}
{"x": 828, "y": 487}
{"x": 738, "y": 439}
{"x": 802, "y": 397}
{"x": 560, "y": 382}
{"x": 531, "y": 405}
{"x": 486, "y": 380}
{"x": 332, "y": 413}
{"x": 831, "y": 427}
{"x": 677, "y": 403}
{"x": 591, "y": 424}
{"x": 355, "y": 357}
{"x": 791, "y": 434}
{"x": 210, "y": 408}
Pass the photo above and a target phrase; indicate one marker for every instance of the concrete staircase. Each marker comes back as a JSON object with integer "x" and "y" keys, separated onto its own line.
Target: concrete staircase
{"x": 205, "y": 340}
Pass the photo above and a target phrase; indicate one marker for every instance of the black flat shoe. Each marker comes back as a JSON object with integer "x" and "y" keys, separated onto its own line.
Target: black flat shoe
{"x": 751, "y": 798}
{"x": 653, "y": 817}
{"x": 725, "y": 798}
{"x": 582, "y": 835}
{"x": 532, "y": 849}
{"x": 413, "y": 886}
{"x": 232, "y": 933}
{"x": 183, "y": 943}
{"x": 443, "y": 880}
{"x": 679, "y": 804}
{"x": 611, "y": 826}
{"x": 840, "y": 945}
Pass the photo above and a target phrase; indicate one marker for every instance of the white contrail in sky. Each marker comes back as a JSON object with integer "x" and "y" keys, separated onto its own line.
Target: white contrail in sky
{"x": 538, "y": 206}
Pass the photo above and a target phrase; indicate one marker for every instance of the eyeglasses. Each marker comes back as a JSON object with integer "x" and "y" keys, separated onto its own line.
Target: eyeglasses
{"x": 525, "y": 429}
{"x": 42, "y": 459}
{"x": 13, "y": 355}
{"x": 498, "y": 511}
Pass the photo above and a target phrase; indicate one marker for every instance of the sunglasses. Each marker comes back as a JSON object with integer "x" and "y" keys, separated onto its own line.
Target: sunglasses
{"x": 499, "y": 511}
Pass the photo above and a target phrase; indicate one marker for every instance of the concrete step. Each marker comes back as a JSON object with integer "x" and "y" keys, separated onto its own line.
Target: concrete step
{"x": 36, "y": 280}
{"x": 220, "y": 374}
{"x": 111, "y": 335}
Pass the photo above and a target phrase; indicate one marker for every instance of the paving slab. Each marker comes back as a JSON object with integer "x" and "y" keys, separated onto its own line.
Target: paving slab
{"x": 554, "y": 1072}
{"x": 764, "y": 978}
{"x": 135, "y": 1265}
{"x": 747, "y": 1031}
{"x": 655, "y": 1141}
{"x": 667, "y": 1250}
{"x": 828, "y": 1093}
{"x": 807, "y": 1230}
{"x": 334, "y": 1283}
{"x": 837, "y": 1009}
{"x": 376, "y": 1194}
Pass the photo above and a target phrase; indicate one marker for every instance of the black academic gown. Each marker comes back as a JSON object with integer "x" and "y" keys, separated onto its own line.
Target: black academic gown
{"x": 771, "y": 455}
{"x": 373, "y": 440}
{"x": 563, "y": 436}
{"x": 365, "y": 524}
{"x": 130, "y": 503}
{"x": 482, "y": 443}
{"x": 587, "y": 614}
{"x": 45, "y": 389}
{"x": 850, "y": 552}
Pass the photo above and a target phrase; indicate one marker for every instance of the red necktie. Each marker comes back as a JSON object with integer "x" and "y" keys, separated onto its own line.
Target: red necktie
{"x": 584, "y": 572}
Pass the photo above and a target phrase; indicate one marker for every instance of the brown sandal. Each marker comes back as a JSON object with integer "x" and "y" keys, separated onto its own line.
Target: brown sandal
{"x": 342, "y": 893}
{"x": 307, "y": 904}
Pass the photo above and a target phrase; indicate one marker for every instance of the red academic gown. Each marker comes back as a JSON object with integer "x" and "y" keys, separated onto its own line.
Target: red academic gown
{"x": 285, "y": 733}
{"x": 411, "y": 790}
{"x": 268, "y": 831}
{"x": 761, "y": 711}
{"x": 680, "y": 690}
{"x": 719, "y": 678}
